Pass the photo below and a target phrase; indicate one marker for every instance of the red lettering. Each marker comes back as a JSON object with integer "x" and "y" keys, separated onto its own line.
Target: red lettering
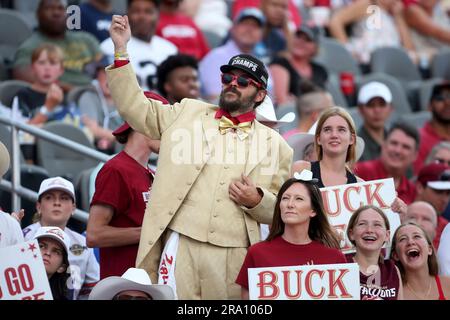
{"x": 169, "y": 259}
{"x": 12, "y": 282}
{"x": 36, "y": 296}
{"x": 372, "y": 196}
{"x": 327, "y": 204}
{"x": 347, "y": 203}
{"x": 270, "y": 284}
{"x": 26, "y": 279}
{"x": 338, "y": 282}
{"x": 287, "y": 286}
{"x": 1, "y": 293}
{"x": 308, "y": 284}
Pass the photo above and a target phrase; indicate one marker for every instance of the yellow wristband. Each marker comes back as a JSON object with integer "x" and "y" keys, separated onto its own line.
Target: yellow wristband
{"x": 121, "y": 56}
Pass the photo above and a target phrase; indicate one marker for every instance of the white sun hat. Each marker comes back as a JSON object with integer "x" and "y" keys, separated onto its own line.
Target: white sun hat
{"x": 132, "y": 279}
{"x": 265, "y": 112}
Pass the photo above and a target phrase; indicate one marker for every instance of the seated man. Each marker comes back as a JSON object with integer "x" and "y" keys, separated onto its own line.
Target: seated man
{"x": 134, "y": 284}
{"x": 398, "y": 152}
{"x": 374, "y": 105}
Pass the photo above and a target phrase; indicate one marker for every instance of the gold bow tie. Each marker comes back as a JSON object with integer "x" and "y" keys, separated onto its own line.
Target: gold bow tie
{"x": 242, "y": 129}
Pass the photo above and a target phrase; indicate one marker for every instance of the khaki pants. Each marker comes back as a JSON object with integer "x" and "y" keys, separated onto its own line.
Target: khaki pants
{"x": 208, "y": 272}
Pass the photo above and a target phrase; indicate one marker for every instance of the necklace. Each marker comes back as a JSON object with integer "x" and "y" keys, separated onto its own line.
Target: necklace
{"x": 417, "y": 296}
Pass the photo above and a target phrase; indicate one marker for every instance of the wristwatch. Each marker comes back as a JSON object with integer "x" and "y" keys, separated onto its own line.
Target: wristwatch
{"x": 43, "y": 110}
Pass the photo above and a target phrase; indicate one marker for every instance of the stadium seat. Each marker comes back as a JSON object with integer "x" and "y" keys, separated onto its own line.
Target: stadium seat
{"x": 395, "y": 62}
{"x": 333, "y": 87}
{"x": 417, "y": 119}
{"x": 14, "y": 30}
{"x": 9, "y": 89}
{"x": 214, "y": 40}
{"x": 5, "y": 137}
{"x": 88, "y": 102}
{"x": 336, "y": 58}
{"x": 440, "y": 65}
{"x": 60, "y": 161}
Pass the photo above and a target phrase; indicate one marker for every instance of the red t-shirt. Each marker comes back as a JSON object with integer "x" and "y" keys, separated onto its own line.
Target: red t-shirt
{"x": 384, "y": 284}
{"x": 428, "y": 139}
{"x": 184, "y": 33}
{"x": 374, "y": 169}
{"x": 123, "y": 184}
{"x": 279, "y": 253}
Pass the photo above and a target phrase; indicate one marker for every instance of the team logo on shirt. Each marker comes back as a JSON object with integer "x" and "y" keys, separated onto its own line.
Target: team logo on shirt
{"x": 146, "y": 196}
{"x": 77, "y": 249}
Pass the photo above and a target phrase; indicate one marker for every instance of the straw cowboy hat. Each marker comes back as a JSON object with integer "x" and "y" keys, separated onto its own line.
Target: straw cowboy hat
{"x": 4, "y": 159}
{"x": 132, "y": 279}
{"x": 265, "y": 112}
{"x": 300, "y": 141}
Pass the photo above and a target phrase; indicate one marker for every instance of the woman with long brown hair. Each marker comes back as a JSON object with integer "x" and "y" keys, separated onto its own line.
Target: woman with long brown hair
{"x": 300, "y": 233}
{"x": 414, "y": 254}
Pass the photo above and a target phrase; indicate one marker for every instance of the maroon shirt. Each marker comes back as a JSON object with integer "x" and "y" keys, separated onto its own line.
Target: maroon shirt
{"x": 124, "y": 185}
{"x": 374, "y": 169}
{"x": 280, "y": 253}
{"x": 384, "y": 284}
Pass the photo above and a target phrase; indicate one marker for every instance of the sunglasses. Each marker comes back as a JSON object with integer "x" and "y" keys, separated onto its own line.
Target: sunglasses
{"x": 241, "y": 81}
{"x": 128, "y": 297}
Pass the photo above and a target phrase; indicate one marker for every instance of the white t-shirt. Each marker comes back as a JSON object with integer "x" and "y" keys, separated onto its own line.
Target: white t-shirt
{"x": 443, "y": 253}
{"x": 81, "y": 258}
{"x": 10, "y": 232}
{"x": 145, "y": 57}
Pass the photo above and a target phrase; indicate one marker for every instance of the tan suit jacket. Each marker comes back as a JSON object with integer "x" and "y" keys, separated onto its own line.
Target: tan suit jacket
{"x": 190, "y": 125}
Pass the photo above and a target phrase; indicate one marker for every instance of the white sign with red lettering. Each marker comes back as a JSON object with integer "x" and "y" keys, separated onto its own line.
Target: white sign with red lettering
{"x": 22, "y": 273}
{"x": 307, "y": 282}
{"x": 341, "y": 201}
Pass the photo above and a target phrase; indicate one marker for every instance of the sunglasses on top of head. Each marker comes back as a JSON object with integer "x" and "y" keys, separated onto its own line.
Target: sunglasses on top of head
{"x": 242, "y": 81}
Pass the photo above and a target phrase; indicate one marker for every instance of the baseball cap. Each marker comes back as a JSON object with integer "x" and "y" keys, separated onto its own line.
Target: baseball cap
{"x": 132, "y": 279}
{"x": 438, "y": 87}
{"x": 125, "y": 126}
{"x": 55, "y": 233}
{"x": 4, "y": 159}
{"x": 254, "y": 13}
{"x": 250, "y": 65}
{"x": 372, "y": 90}
{"x": 435, "y": 175}
{"x": 311, "y": 33}
{"x": 57, "y": 183}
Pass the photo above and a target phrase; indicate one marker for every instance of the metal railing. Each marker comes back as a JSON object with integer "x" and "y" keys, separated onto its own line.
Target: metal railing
{"x": 15, "y": 186}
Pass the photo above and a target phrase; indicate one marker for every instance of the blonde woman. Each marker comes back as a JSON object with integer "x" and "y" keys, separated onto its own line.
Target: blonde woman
{"x": 335, "y": 144}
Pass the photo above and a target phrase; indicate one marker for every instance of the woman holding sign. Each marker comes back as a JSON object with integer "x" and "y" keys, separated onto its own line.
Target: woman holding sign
{"x": 368, "y": 230}
{"x": 300, "y": 232}
{"x": 415, "y": 256}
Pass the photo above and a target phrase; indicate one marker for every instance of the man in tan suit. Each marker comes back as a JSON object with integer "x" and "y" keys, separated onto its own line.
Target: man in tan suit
{"x": 218, "y": 173}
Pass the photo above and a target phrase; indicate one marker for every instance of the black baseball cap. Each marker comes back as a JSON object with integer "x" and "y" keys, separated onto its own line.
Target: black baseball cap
{"x": 250, "y": 65}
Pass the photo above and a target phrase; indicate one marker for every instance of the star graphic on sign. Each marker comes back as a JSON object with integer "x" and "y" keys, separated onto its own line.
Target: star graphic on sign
{"x": 32, "y": 247}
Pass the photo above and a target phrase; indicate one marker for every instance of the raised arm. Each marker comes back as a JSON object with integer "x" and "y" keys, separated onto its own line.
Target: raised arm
{"x": 144, "y": 115}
